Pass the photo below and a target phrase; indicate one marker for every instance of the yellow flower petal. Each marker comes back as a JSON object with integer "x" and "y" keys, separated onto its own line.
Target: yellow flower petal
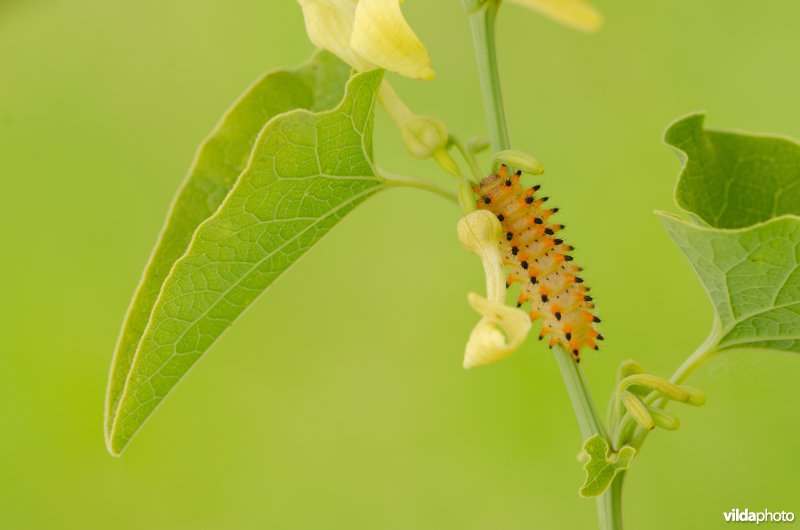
{"x": 329, "y": 24}
{"x": 479, "y": 232}
{"x": 381, "y": 35}
{"x": 502, "y": 329}
{"x": 574, "y": 13}
{"x": 498, "y": 334}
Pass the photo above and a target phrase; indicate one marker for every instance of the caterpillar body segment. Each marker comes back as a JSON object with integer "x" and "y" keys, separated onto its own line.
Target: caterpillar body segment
{"x": 540, "y": 261}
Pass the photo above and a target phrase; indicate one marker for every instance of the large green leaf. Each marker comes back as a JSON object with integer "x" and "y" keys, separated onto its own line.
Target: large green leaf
{"x": 732, "y": 179}
{"x": 747, "y": 189}
{"x": 306, "y": 171}
{"x": 316, "y": 85}
{"x": 752, "y": 277}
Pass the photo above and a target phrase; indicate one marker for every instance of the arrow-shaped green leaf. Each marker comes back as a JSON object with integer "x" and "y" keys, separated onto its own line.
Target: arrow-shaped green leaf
{"x": 316, "y": 85}
{"x": 306, "y": 171}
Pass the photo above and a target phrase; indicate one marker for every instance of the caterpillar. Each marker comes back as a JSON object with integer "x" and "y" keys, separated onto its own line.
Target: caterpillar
{"x": 540, "y": 262}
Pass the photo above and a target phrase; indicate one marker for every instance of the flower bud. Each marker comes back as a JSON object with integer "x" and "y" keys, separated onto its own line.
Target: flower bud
{"x": 658, "y": 384}
{"x": 518, "y": 160}
{"x": 629, "y": 367}
{"x": 696, "y": 397}
{"x": 638, "y": 410}
{"x": 664, "y": 419}
{"x": 479, "y": 233}
{"x": 424, "y": 135}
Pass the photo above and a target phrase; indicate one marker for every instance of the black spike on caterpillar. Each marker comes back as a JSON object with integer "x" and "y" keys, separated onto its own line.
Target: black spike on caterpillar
{"x": 540, "y": 262}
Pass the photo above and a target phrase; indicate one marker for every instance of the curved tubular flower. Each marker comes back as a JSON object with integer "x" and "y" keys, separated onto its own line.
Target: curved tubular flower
{"x": 502, "y": 329}
{"x": 518, "y": 160}
{"x": 367, "y": 34}
{"x": 574, "y": 13}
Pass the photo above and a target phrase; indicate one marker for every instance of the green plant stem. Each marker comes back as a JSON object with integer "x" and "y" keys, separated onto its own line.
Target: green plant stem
{"x": 609, "y": 504}
{"x": 403, "y": 181}
{"x": 578, "y": 390}
{"x": 482, "y": 19}
{"x": 627, "y": 430}
{"x": 468, "y": 156}
{"x": 692, "y": 363}
{"x": 700, "y": 355}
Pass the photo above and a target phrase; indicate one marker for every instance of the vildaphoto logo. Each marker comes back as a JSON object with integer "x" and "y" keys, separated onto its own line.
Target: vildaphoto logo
{"x": 746, "y": 516}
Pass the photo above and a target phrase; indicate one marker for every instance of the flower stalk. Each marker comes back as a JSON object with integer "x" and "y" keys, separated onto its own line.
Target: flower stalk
{"x": 502, "y": 329}
{"x": 482, "y": 21}
{"x": 482, "y": 14}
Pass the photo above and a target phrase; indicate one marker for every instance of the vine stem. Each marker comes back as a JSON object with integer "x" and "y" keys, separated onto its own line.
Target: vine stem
{"x": 700, "y": 355}
{"x": 697, "y": 358}
{"x": 393, "y": 180}
{"x": 468, "y": 156}
{"x": 482, "y": 18}
{"x": 609, "y": 504}
{"x": 482, "y": 15}
{"x": 578, "y": 389}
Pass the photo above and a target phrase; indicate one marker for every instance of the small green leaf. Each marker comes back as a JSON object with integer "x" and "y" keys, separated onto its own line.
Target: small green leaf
{"x": 747, "y": 188}
{"x": 602, "y": 467}
{"x": 316, "y": 85}
{"x": 306, "y": 171}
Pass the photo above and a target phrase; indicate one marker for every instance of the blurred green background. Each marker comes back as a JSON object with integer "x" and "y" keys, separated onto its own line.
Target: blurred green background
{"x": 338, "y": 400}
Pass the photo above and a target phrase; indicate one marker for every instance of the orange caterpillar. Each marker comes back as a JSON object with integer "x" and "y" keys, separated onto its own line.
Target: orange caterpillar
{"x": 540, "y": 262}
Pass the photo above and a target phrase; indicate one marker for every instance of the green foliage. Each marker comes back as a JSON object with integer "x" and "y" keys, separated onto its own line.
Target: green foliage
{"x": 752, "y": 278}
{"x": 731, "y": 179}
{"x": 306, "y": 171}
{"x": 602, "y": 467}
{"x": 745, "y": 187}
{"x": 316, "y": 85}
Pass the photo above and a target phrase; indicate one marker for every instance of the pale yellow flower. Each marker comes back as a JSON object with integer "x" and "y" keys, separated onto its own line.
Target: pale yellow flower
{"x": 497, "y": 335}
{"x": 367, "y": 34}
{"x": 502, "y": 329}
{"x": 574, "y": 13}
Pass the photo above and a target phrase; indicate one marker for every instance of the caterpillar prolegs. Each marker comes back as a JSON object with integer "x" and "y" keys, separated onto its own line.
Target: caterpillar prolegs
{"x": 540, "y": 262}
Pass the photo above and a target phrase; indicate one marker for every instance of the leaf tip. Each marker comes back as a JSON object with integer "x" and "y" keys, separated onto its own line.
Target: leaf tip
{"x": 679, "y": 129}
{"x": 115, "y": 444}
{"x": 114, "y": 448}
